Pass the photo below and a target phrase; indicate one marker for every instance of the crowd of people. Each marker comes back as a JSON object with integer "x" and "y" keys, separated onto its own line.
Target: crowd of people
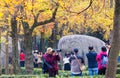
{"x": 97, "y": 62}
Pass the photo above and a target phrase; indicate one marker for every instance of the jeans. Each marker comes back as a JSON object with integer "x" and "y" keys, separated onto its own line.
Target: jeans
{"x": 22, "y": 63}
{"x": 76, "y": 74}
{"x": 93, "y": 71}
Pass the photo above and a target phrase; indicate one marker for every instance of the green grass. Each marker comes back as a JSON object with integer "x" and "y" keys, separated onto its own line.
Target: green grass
{"x": 62, "y": 74}
{"x": 43, "y": 76}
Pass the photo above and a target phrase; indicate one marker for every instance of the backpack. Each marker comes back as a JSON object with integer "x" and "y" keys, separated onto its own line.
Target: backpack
{"x": 104, "y": 60}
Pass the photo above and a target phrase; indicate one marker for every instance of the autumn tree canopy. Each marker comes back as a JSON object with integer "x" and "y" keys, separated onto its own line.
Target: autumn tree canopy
{"x": 71, "y": 17}
{"x": 80, "y": 14}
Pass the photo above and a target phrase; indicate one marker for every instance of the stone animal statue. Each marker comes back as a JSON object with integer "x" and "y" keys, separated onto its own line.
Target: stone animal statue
{"x": 82, "y": 42}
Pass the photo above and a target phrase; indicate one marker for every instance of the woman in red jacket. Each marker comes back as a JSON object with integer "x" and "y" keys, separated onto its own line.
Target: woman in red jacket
{"x": 52, "y": 59}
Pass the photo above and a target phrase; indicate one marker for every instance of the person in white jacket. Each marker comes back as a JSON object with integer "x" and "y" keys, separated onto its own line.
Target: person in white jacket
{"x": 66, "y": 62}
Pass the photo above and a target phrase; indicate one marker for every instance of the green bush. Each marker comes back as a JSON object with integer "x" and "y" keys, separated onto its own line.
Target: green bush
{"x": 46, "y": 76}
{"x": 118, "y": 71}
{"x": 37, "y": 71}
{"x": 118, "y": 65}
{"x": 60, "y": 66}
{"x": 62, "y": 74}
{"x": 118, "y": 75}
{"x": 3, "y": 70}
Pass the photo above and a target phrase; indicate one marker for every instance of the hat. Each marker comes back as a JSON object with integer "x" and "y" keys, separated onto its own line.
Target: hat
{"x": 49, "y": 49}
{"x": 75, "y": 50}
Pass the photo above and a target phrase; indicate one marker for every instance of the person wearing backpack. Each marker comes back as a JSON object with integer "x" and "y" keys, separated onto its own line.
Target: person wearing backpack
{"x": 102, "y": 59}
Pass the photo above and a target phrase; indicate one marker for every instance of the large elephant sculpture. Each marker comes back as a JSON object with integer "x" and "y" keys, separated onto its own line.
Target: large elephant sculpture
{"x": 82, "y": 42}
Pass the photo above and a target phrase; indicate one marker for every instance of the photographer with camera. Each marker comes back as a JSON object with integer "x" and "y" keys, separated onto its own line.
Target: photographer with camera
{"x": 52, "y": 59}
{"x": 55, "y": 62}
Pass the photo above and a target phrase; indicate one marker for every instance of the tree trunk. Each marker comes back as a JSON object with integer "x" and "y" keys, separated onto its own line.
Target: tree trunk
{"x": 15, "y": 56}
{"x": 55, "y": 35}
{"x": 6, "y": 54}
{"x": 42, "y": 44}
{"x": 0, "y": 53}
{"x": 50, "y": 41}
{"x": 28, "y": 36}
{"x": 15, "y": 53}
{"x": 53, "y": 38}
{"x": 115, "y": 46}
{"x": 111, "y": 3}
{"x": 28, "y": 51}
{"x": 35, "y": 42}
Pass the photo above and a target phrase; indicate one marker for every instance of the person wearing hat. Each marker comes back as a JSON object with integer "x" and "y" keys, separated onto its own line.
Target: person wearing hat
{"x": 52, "y": 57}
{"x": 75, "y": 62}
{"x": 46, "y": 65}
{"x": 92, "y": 62}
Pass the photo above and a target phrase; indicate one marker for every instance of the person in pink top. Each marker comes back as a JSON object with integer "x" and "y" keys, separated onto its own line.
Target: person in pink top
{"x": 102, "y": 59}
{"x": 22, "y": 58}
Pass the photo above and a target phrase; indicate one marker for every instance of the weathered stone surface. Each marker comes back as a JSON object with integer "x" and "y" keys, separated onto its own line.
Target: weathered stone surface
{"x": 82, "y": 42}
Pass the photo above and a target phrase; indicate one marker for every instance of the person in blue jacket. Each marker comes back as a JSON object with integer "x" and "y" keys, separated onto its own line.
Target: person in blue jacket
{"x": 92, "y": 62}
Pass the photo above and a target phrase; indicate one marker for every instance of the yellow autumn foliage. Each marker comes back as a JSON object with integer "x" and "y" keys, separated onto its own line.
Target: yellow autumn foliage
{"x": 3, "y": 39}
{"x": 99, "y": 14}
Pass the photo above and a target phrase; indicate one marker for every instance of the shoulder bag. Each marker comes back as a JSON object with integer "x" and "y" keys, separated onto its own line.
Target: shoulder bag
{"x": 82, "y": 66}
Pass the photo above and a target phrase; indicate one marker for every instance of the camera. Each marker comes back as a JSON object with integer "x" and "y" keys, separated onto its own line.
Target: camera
{"x": 57, "y": 50}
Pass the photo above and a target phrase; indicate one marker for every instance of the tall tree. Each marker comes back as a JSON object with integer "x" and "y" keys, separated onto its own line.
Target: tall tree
{"x": 6, "y": 53}
{"x": 23, "y": 11}
{"x": 15, "y": 53}
{"x": 10, "y": 13}
{"x": 71, "y": 10}
{"x": 42, "y": 42}
{"x": 115, "y": 46}
{"x": 28, "y": 29}
{"x": 0, "y": 51}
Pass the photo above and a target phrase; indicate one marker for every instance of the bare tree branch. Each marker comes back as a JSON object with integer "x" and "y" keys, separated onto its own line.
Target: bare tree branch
{"x": 102, "y": 7}
{"x": 91, "y": 1}
{"x": 25, "y": 24}
{"x": 36, "y": 17}
{"x": 52, "y": 19}
{"x": 33, "y": 10}
{"x": 68, "y": 10}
